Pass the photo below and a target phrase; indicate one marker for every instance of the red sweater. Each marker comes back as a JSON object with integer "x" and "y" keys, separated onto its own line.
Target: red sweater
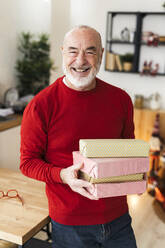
{"x": 53, "y": 123}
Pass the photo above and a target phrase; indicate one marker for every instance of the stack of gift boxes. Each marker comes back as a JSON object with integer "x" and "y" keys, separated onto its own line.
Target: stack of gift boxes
{"x": 114, "y": 166}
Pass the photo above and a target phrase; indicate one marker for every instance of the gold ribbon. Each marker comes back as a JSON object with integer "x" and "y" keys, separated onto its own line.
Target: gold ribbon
{"x": 114, "y": 179}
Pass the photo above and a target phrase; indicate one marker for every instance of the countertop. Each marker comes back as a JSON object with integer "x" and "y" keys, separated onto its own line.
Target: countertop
{"x": 11, "y": 121}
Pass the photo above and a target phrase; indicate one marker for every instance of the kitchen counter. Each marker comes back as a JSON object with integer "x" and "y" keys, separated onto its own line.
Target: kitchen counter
{"x": 12, "y": 121}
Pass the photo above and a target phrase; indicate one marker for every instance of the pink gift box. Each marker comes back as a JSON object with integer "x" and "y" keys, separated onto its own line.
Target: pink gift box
{"x": 109, "y": 167}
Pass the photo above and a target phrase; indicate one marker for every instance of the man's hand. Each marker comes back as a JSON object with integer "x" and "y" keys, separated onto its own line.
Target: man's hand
{"x": 70, "y": 176}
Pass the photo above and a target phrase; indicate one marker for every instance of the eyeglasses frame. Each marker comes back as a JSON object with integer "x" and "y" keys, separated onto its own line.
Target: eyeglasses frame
{"x": 15, "y": 196}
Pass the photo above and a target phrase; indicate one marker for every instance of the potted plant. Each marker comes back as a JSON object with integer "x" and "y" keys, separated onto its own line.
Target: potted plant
{"x": 34, "y": 65}
{"x": 127, "y": 61}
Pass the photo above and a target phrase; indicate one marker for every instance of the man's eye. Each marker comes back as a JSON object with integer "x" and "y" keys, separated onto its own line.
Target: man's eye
{"x": 72, "y": 52}
{"x": 91, "y": 53}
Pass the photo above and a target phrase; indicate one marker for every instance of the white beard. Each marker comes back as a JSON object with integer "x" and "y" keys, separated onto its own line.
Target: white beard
{"x": 81, "y": 82}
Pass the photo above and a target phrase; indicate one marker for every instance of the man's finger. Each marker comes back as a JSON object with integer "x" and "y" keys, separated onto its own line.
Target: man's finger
{"x": 82, "y": 183}
{"x": 85, "y": 193}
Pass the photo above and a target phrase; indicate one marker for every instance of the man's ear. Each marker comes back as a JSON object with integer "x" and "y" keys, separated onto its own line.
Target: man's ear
{"x": 102, "y": 51}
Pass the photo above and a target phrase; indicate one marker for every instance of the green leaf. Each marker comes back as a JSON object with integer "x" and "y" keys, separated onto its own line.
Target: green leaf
{"x": 34, "y": 64}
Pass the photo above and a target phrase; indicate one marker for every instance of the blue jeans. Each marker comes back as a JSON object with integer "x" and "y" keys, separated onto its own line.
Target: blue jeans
{"x": 115, "y": 234}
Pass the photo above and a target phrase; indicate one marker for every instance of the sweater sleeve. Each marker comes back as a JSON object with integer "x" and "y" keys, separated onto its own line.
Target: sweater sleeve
{"x": 33, "y": 146}
{"x": 128, "y": 129}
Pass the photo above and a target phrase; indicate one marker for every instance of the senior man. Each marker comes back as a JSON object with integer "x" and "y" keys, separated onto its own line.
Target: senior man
{"x": 77, "y": 106}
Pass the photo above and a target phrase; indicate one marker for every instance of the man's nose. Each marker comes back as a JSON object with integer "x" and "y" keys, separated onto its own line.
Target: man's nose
{"x": 81, "y": 58}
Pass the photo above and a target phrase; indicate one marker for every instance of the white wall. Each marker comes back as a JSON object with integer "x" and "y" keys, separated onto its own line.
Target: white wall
{"x": 34, "y": 15}
{"x": 60, "y": 24}
{"x": 93, "y": 13}
{"x": 8, "y": 17}
{"x": 17, "y": 16}
{"x": 10, "y": 148}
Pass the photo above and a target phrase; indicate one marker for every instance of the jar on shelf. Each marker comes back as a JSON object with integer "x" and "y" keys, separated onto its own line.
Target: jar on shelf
{"x": 138, "y": 103}
{"x": 155, "y": 101}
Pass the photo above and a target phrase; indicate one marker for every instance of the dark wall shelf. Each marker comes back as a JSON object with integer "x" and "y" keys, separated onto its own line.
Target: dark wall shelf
{"x": 136, "y": 43}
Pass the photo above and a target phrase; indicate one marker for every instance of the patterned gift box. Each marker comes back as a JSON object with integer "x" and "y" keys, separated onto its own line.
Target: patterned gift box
{"x": 113, "y": 176}
{"x": 113, "y": 148}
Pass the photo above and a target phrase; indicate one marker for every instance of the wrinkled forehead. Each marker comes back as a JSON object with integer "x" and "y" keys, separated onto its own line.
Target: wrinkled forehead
{"x": 82, "y": 38}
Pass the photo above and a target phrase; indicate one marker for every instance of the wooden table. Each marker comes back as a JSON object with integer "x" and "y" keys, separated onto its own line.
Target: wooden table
{"x": 20, "y": 223}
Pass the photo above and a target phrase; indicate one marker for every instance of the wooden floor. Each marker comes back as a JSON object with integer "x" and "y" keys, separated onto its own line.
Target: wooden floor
{"x": 148, "y": 221}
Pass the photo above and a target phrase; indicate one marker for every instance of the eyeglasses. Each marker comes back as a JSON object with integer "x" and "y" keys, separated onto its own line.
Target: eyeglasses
{"x": 11, "y": 193}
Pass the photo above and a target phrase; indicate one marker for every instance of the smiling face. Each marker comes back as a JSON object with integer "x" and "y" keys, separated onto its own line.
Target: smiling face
{"x": 82, "y": 54}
